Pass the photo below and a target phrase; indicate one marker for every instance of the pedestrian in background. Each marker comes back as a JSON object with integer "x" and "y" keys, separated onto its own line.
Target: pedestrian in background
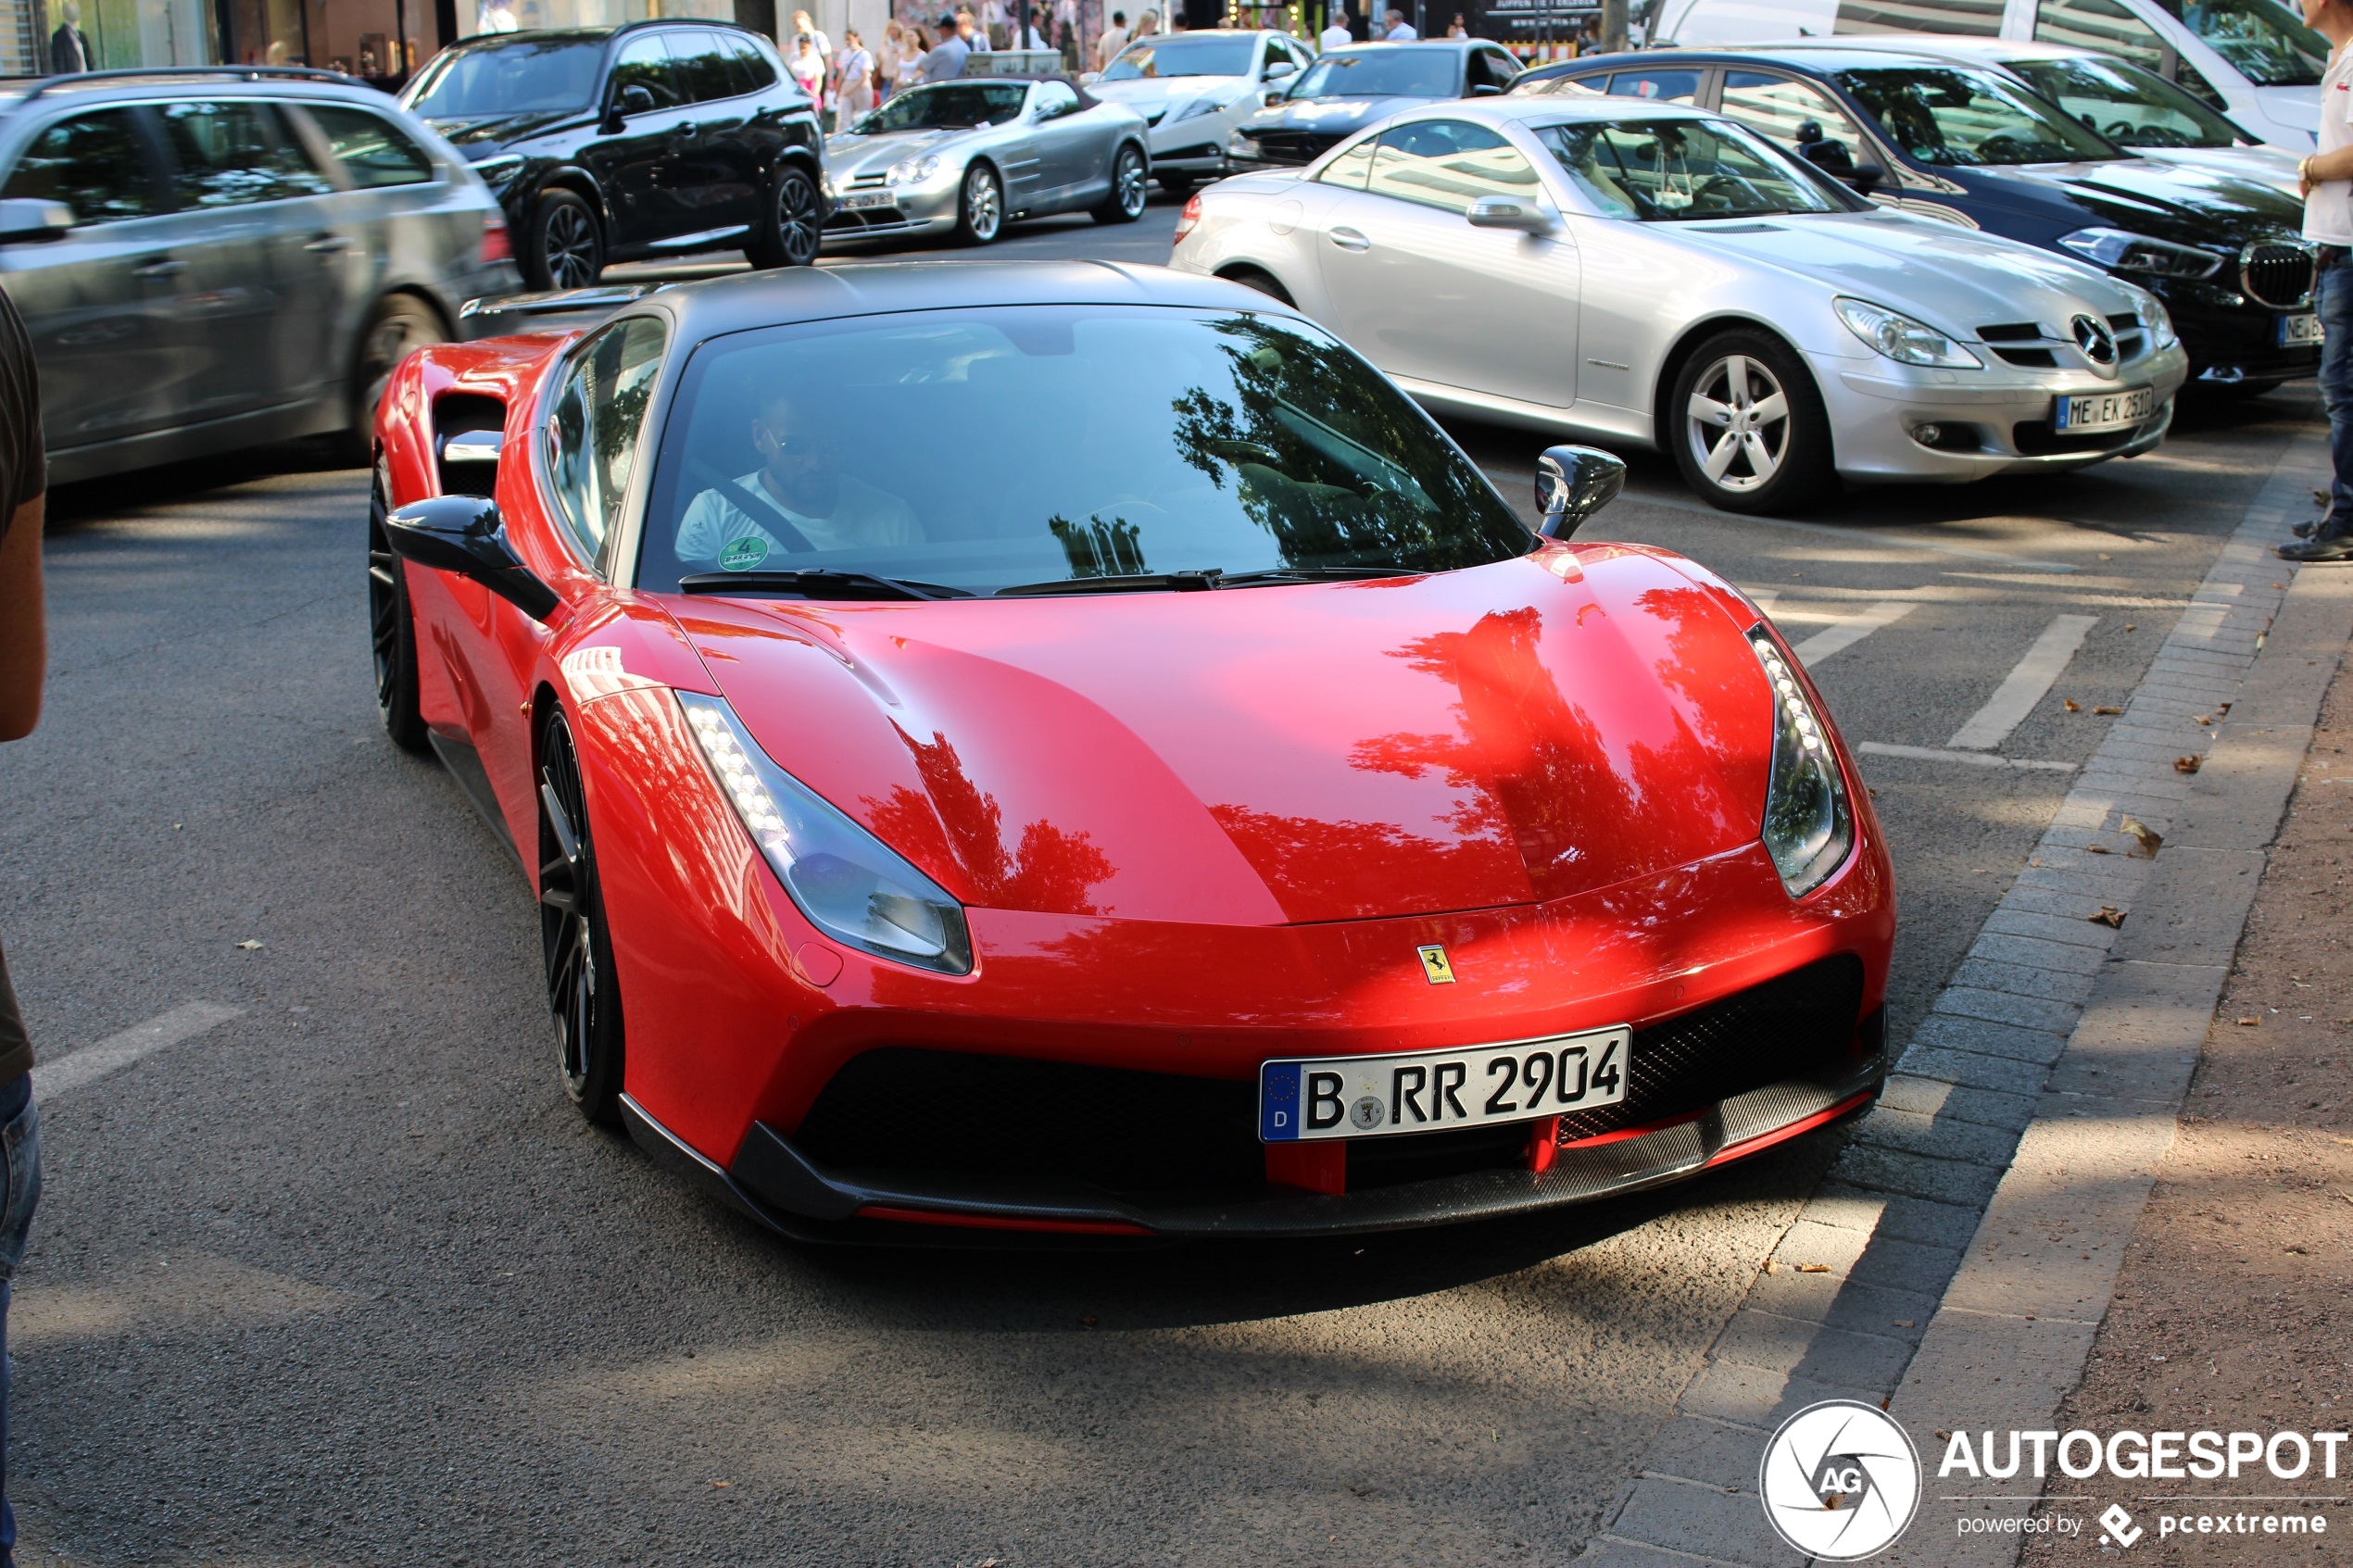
{"x": 854, "y": 80}
{"x": 1399, "y": 32}
{"x": 808, "y": 68}
{"x": 1113, "y": 40}
{"x": 24, "y": 658}
{"x": 800, "y": 23}
{"x": 946, "y": 61}
{"x": 911, "y": 62}
{"x": 2328, "y": 223}
{"x": 69, "y": 46}
{"x": 1460, "y": 29}
{"x": 1338, "y": 36}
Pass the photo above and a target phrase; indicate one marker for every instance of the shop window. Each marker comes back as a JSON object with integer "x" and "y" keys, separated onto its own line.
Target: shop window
{"x": 94, "y": 163}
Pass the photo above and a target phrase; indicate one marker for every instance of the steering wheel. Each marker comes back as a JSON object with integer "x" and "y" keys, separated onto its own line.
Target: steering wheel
{"x": 2003, "y": 139}
{"x": 2120, "y": 132}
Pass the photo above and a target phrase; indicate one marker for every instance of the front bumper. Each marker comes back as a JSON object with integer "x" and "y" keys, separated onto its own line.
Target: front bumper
{"x": 931, "y": 208}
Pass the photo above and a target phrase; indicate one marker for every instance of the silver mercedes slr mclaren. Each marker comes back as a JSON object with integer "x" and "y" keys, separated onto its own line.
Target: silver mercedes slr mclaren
{"x": 971, "y": 156}
{"x": 1662, "y": 277}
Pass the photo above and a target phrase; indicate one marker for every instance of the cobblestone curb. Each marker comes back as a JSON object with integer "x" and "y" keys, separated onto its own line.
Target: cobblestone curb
{"x": 1960, "y": 1254}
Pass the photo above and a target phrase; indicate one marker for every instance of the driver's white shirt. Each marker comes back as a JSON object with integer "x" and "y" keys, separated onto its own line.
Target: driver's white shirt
{"x": 2328, "y": 211}
{"x": 861, "y": 516}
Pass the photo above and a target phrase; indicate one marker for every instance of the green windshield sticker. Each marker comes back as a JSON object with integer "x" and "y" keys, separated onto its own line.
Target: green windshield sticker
{"x": 742, "y": 554}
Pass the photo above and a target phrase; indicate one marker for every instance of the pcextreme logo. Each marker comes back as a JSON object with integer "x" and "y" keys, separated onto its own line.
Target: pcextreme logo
{"x": 1840, "y": 1480}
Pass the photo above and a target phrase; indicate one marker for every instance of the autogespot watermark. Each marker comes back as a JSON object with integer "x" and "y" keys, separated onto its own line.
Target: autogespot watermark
{"x": 1840, "y": 1480}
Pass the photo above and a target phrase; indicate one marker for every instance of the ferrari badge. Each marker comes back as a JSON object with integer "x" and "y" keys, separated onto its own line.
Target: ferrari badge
{"x": 1434, "y": 965}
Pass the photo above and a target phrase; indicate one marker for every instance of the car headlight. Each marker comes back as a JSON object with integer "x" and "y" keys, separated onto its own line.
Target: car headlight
{"x": 1198, "y": 106}
{"x": 1902, "y": 339}
{"x": 2155, "y": 317}
{"x": 1808, "y": 829}
{"x": 1239, "y": 145}
{"x": 913, "y": 171}
{"x": 498, "y": 169}
{"x": 850, "y": 885}
{"x": 2126, "y": 252}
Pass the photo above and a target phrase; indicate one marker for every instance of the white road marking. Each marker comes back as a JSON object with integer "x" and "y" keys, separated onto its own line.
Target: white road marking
{"x": 1975, "y": 758}
{"x": 2025, "y": 685}
{"x": 1851, "y": 535}
{"x": 118, "y": 1051}
{"x": 1763, "y": 598}
{"x": 1849, "y": 630}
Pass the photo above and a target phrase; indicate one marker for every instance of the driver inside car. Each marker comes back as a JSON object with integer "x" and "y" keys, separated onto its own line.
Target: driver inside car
{"x": 798, "y": 489}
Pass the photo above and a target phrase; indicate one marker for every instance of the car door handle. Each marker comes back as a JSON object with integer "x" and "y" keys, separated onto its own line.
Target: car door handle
{"x": 688, "y": 128}
{"x": 327, "y": 245}
{"x": 162, "y": 266}
{"x": 1349, "y": 239}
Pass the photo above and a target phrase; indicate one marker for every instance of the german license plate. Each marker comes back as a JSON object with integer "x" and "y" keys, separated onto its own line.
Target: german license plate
{"x": 866, "y": 199}
{"x": 2299, "y": 329}
{"x": 1371, "y": 1096}
{"x": 2104, "y": 411}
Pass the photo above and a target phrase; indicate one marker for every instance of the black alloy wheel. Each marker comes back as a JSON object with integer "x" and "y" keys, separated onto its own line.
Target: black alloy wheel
{"x": 400, "y": 322}
{"x": 564, "y": 249}
{"x": 1130, "y": 187}
{"x": 582, "y": 993}
{"x": 394, "y": 630}
{"x": 794, "y": 226}
{"x": 980, "y": 212}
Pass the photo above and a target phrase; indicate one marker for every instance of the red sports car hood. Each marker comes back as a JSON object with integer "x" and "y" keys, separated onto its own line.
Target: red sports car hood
{"x": 1521, "y": 731}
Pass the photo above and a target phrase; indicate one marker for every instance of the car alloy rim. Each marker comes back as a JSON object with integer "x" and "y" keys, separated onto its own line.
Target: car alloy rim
{"x": 985, "y": 204}
{"x": 1739, "y": 422}
{"x": 570, "y": 248}
{"x": 566, "y": 905}
{"x": 383, "y": 596}
{"x": 1131, "y": 182}
{"x": 796, "y": 217}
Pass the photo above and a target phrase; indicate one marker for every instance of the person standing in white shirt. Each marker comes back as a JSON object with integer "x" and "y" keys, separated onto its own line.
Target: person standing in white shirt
{"x": 1337, "y": 35}
{"x": 854, "y": 80}
{"x": 1113, "y": 40}
{"x": 1399, "y": 32}
{"x": 2328, "y": 223}
{"x": 800, "y": 23}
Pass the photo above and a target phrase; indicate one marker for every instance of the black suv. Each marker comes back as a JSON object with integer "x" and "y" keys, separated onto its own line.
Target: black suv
{"x": 1970, "y": 144}
{"x": 654, "y": 139}
{"x": 1348, "y": 89}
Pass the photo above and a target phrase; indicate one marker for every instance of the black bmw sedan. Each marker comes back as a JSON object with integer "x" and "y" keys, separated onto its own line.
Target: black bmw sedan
{"x": 653, "y": 139}
{"x": 1971, "y": 145}
{"x": 1347, "y": 89}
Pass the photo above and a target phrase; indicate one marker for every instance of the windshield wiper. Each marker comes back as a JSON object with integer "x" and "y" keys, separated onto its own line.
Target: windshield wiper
{"x": 1125, "y": 583}
{"x": 1315, "y": 575}
{"x": 817, "y": 582}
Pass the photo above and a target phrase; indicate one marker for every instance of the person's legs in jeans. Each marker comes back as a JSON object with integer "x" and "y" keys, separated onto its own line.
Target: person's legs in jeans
{"x": 21, "y": 1170}
{"x": 2335, "y": 302}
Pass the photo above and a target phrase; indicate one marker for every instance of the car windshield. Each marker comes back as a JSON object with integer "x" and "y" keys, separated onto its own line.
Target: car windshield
{"x": 1956, "y": 118}
{"x": 516, "y": 78}
{"x": 2131, "y": 106}
{"x": 1184, "y": 56}
{"x": 1681, "y": 170}
{"x": 2267, "y": 41}
{"x": 1392, "y": 71}
{"x": 978, "y": 450}
{"x": 947, "y": 105}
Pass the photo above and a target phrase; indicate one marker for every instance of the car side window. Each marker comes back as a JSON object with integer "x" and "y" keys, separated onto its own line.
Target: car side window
{"x": 1351, "y": 167}
{"x": 97, "y": 164}
{"x": 599, "y": 415}
{"x": 1658, "y": 86}
{"x": 1449, "y": 164}
{"x": 2103, "y": 25}
{"x": 1053, "y": 100}
{"x": 703, "y": 71}
{"x": 231, "y": 154}
{"x": 1475, "y": 72}
{"x": 1796, "y": 117}
{"x": 645, "y": 63}
{"x": 1501, "y": 68}
{"x": 373, "y": 150}
{"x": 762, "y": 74}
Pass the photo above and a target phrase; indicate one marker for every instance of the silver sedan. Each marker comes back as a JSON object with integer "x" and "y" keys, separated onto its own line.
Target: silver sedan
{"x": 1662, "y": 277}
{"x": 968, "y": 157}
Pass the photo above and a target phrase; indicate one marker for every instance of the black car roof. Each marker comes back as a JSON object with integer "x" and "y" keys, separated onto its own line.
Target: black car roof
{"x": 790, "y": 296}
{"x": 598, "y": 34}
{"x": 1820, "y": 59}
{"x": 1455, "y": 44}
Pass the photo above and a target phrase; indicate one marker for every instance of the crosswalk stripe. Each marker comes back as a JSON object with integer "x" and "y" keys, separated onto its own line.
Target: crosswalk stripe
{"x": 2026, "y": 684}
{"x": 118, "y": 1051}
{"x": 1845, "y": 634}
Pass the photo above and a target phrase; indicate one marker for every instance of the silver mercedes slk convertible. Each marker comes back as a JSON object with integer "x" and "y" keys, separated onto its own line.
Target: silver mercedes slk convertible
{"x": 970, "y": 155}
{"x": 1664, "y": 277}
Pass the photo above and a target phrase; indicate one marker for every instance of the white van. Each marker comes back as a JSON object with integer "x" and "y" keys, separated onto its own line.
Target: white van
{"x": 2253, "y": 60}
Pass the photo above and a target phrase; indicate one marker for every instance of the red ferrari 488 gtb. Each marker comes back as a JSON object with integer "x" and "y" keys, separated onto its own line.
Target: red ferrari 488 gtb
{"x": 1071, "y": 749}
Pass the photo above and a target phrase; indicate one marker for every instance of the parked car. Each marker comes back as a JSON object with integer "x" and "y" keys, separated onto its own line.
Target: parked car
{"x": 2253, "y": 60}
{"x": 1193, "y": 89}
{"x": 981, "y": 849}
{"x": 1347, "y": 89}
{"x": 1654, "y": 274}
{"x": 966, "y": 158}
{"x": 1969, "y": 144}
{"x": 210, "y": 258}
{"x": 615, "y": 143}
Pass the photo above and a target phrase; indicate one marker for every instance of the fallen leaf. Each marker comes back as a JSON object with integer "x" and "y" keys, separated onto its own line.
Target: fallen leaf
{"x": 2072, "y": 705}
{"x": 2104, "y": 709}
{"x": 1085, "y": 1323}
{"x": 722, "y": 1483}
{"x": 1944, "y": 1437}
{"x": 2222, "y": 707}
{"x": 1813, "y": 1268}
{"x": 2249, "y": 1022}
{"x": 2187, "y": 764}
{"x": 2205, "y": 718}
{"x": 2301, "y": 1252}
{"x": 1768, "y": 1263}
{"x": 2130, "y": 627}
{"x": 2097, "y": 849}
{"x": 1903, "y": 1323}
{"x": 248, "y": 945}
{"x": 2109, "y": 916}
{"x": 2148, "y": 838}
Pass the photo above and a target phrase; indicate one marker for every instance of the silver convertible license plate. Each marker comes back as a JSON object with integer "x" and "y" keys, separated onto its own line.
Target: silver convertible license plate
{"x": 1369, "y": 1097}
{"x": 2105, "y": 410}
{"x": 866, "y": 199}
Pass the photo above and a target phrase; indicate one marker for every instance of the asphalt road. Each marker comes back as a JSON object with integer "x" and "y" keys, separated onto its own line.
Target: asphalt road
{"x": 342, "y": 1279}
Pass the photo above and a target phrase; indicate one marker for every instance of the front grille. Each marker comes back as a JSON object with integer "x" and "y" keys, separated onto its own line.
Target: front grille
{"x": 864, "y": 182}
{"x": 2030, "y": 358}
{"x": 2025, "y": 344}
{"x": 1293, "y": 147}
{"x": 2010, "y": 331}
{"x": 2277, "y": 274}
{"x": 843, "y": 223}
{"x": 1199, "y": 149}
{"x": 2035, "y": 438}
{"x": 1162, "y": 1135}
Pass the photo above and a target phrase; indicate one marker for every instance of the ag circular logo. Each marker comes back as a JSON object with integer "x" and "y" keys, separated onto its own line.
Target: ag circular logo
{"x": 1840, "y": 1480}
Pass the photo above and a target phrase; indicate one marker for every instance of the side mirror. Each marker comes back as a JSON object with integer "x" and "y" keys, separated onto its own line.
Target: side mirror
{"x": 466, "y": 535}
{"x": 632, "y": 99}
{"x": 28, "y": 220}
{"x": 1278, "y": 70}
{"x": 1866, "y": 178}
{"x": 1487, "y": 90}
{"x": 1572, "y": 484}
{"x": 1503, "y": 212}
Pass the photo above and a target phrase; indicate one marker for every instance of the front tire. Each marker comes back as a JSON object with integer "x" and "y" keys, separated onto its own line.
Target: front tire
{"x": 1746, "y": 427}
{"x": 794, "y": 227}
{"x": 394, "y": 626}
{"x": 1265, "y": 282}
{"x": 980, "y": 210}
{"x": 563, "y": 248}
{"x": 575, "y": 947}
{"x": 1129, "y": 187}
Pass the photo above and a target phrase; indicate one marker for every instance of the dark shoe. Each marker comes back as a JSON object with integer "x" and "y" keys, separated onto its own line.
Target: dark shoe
{"x": 2339, "y": 547}
{"x": 2304, "y": 530}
